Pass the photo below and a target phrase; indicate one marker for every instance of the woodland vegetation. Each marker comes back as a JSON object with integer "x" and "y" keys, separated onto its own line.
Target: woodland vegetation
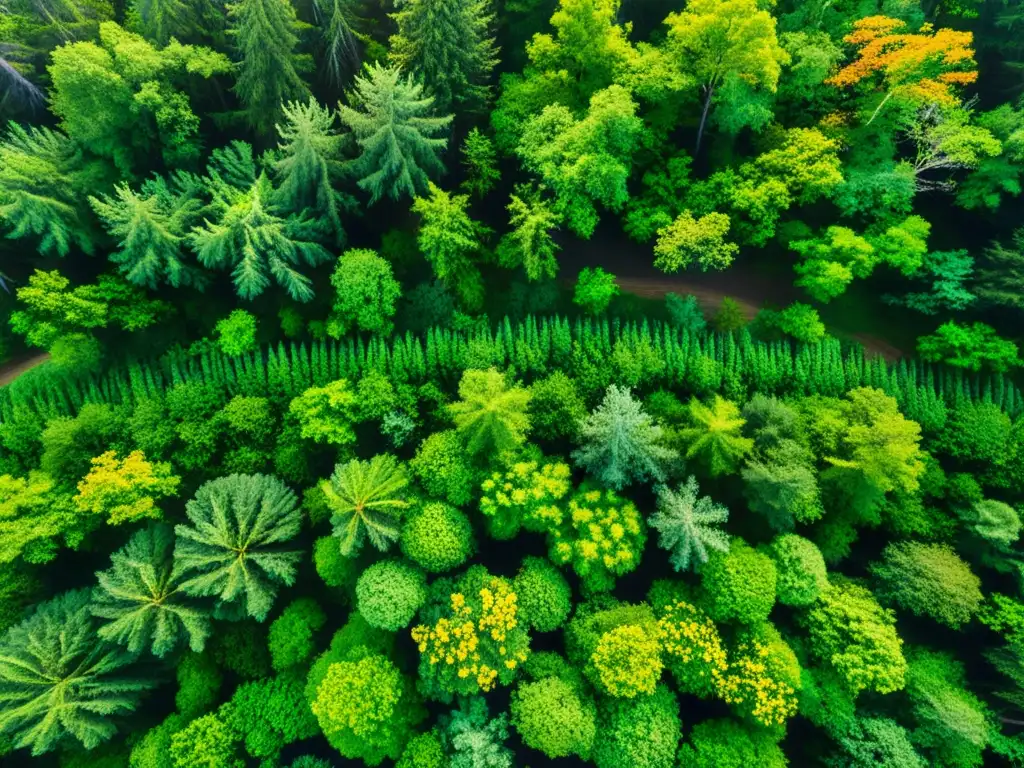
{"x": 338, "y": 457}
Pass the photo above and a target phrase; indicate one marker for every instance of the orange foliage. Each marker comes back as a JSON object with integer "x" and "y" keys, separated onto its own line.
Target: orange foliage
{"x": 922, "y": 66}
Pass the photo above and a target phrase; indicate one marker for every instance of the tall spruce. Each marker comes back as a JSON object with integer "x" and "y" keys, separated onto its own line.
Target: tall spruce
{"x": 266, "y": 34}
{"x": 393, "y": 123}
{"x": 448, "y": 44}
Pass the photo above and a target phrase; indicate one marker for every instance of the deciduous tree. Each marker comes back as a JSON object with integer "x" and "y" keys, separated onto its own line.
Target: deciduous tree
{"x": 688, "y": 241}
{"x": 367, "y": 501}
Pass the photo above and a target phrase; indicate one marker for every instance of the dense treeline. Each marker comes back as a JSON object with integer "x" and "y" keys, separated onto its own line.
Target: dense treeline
{"x": 333, "y": 461}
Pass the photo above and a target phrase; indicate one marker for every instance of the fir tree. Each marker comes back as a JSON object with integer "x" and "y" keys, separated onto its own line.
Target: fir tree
{"x": 339, "y": 38}
{"x": 265, "y": 32}
{"x": 160, "y": 20}
{"x": 684, "y": 523}
{"x": 247, "y": 236}
{"x": 620, "y": 442}
{"x": 530, "y": 243}
{"x": 140, "y": 599}
{"x": 480, "y": 161}
{"x": 448, "y": 44}
{"x": 151, "y": 226}
{"x": 59, "y": 683}
{"x": 490, "y": 415}
{"x": 392, "y": 122}
{"x": 368, "y": 500}
{"x": 307, "y": 167}
{"x": 234, "y": 549}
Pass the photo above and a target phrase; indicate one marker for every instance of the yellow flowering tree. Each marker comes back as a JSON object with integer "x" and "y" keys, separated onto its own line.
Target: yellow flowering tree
{"x": 693, "y": 649}
{"x": 125, "y": 490}
{"x": 479, "y": 644}
{"x": 524, "y": 495}
{"x": 755, "y": 684}
{"x": 600, "y": 534}
{"x": 627, "y": 661}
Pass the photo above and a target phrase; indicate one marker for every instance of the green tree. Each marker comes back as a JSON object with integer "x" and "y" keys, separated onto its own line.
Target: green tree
{"x": 685, "y": 525}
{"x": 448, "y": 45}
{"x": 643, "y": 732}
{"x": 832, "y": 261}
{"x": 443, "y": 468}
{"x": 270, "y": 714}
{"x": 739, "y": 583}
{"x": 160, "y": 20}
{"x": 140, "y": 598}
{"x": 729, "y": 744}
{"x": 207, "y": 741}
{"x": 366, "y": 293}
{"x": 481, "y": 164}
{"x": 715, "y": 437}
{"x": 878, "y": 741}
{"x": 556, "y": 408}
{"x": 595, "y": 290}
{"x": 801, "y": 321}
{"x": 389, "y": 593}
{"x": 326, "y": 414}
{"x": 236, "y": 546}
{"x": 307, "y": 165}
{"x": 265, "y": 34}
{"x": 585, "y": 162}
{"x": 437, "y": 537}
{"x": 367, "y": 501}
{"x": 398, "y": 137}
{"x": 544, "y": 596}
{"x": 473, "y": 739}
{"x": 800, "y": 567}
{"x": 58, "y": 683}
{"x": 972, "y": 347}
{"x": 151, "y": 226}
{"x": 292, "y": 636}
{"x": 33, "y": 516}
{"x": 929, "y": 580}
{"x": 199, "y": 682}
{"x": 620, "y": 444}
{"x": 721, "y": 42}
{"x": 448, "y": 239}
{"x": 999, "y": 175}
{"x": 490, "y": 415}
{"x": 236, "y": 333}
{"x": 530, "y": 243}
{"x": 122, "y": 99}
{"x": 688, "y": 240}
{"x": 243, "y": 233}
{"x": 553, "y": 717}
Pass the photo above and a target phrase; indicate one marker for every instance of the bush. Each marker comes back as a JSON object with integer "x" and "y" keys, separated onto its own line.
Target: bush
{"x": 595, "y": 290}
{"x": 437, "y": 537}
{"x": 545, "y": 598}
{"x": 389, "y": 593}
{"x": 552, "y": 717}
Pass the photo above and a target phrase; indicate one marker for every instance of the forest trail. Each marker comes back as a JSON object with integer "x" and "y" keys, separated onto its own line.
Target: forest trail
{"x": 12, "y": 369}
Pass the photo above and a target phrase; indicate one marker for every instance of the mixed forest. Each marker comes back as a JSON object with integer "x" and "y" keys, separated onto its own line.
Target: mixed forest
{"x": 340, "y": 444}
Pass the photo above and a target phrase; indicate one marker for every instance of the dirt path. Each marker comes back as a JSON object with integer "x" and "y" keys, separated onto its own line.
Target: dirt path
{"x": 12, "y": 369}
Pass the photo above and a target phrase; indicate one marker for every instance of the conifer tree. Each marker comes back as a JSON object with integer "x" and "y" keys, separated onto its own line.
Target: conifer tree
{"x": 151, "y": 226}
{"x": 308, "y": 165}
{"x": 341, "y": 51}
{"x": 448, "y": 238}
{"x": 162, "y": 19}
{"x": 530, "y": 243}
{"x": 480, "y": 161}
{"x": 141, "y": 600}
{"x": 448, "y": 44}
{"x": 247, "y": 236}
{"x": 266, "y": 34}
{"x": 368, "y": 500}
{"x": 59, "y": 683}
{"x": 234, "y": 549}
{"x": 685, "y": 523}
{"x": 715, "y": 435}
{"x": 490, "y": 415}
{"x": 392, "y": 122}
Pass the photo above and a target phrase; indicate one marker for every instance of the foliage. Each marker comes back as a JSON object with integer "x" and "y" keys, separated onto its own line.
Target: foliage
{"x": 530, "y": 243}
{"x": 554, "y": 718}
{"x": 688, "y": 240}
{"x": 270, "y": 714}
{"x": 729, "y": 744}
{"x": 236, "y": 546}
{"x": 930, "y": 580}
{"x": 739, "y": 584}
{"x": 365, "y": 294}
{"x": 715, "y": 437}
{"x": 389, "y": 593}
{"x": 367, "y": 501}
{"x": 236, "y": 333}
{"x": 437, "y": 537}
{"x": 472, "y": 740}
{"x": 125, "y": 490}
{"x": 626, "y": 662}
{"x": 199, "y": 682}
{"x": 480, "y": 161}
{"x": 441, "y": 465}
{"x": 490, "y": 415}
{"x": 326, "y": 414}
{"x": 685, "y": 525}
{"x": 969, "y": 346}
{"x": 642, "y": 732}
{"x": 543, "y": 595}
{"x": 800, "y": 569}
{"x": 449, "y": 238}
{"x": 206, "y": 741}
{"x": 292, "y": 636}
{"x": 595, "y": 289}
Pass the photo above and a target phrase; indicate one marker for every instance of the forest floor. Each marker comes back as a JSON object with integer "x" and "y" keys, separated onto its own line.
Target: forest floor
{"x": 12, "y": 369}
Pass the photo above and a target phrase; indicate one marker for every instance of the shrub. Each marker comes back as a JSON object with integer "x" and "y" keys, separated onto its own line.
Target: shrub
{"x": 595, "y": 290}
{"x": 389, "y": 593}
{"x": 236, "y": 333}
{"x": 437, "y": 537}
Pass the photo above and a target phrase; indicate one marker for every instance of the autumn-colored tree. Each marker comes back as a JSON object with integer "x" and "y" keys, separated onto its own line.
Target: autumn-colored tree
{"x": 125, "y": 489}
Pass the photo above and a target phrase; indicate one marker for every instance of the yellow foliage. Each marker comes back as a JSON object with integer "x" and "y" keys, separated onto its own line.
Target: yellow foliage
{"x": 125, "y": 490}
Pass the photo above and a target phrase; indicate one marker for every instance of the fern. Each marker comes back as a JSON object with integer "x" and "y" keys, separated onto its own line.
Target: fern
{"x": 367, "y": 499}
{"x": 684, "y": 524}
{"x": 58, "y": 682}
{"x": 141, "y": 599}
{"x": 234, "y": 549}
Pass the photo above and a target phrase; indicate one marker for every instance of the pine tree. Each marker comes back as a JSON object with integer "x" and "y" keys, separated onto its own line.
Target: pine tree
{"x": 448, "y": 44}
{"x": 43, "y": 178}
{"x": 685, "y": 525}
{"x": 59, "y": 683}
{"x": 307, "y": 167}
{"x": 391, "y": 120}
{"x": 151, "y": 226}
{"x": 247, "y": 236}
{"x": 234, "y": 549}
{"x": 530, "y": 243}
{"x": 490, "y": 415}
{"x": 620, "y": 443}
{"x": 448, "y": 239}
{"x": 715, "y": 435}
{"x": 266, "y": 35}
{"x": 141, "y": 600}
{"x": 368, "y": 500}
{"x": 338, "y": 21}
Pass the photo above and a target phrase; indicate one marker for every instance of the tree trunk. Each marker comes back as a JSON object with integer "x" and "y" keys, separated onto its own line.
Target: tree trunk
{"x": 704, "y": 116}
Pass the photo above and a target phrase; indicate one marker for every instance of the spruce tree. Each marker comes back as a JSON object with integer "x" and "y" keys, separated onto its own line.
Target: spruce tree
{"x": 339, "y": 38}
{"x": 141, "y": 600}
{"x": 160, "y": 20}
{"x": 393, "y": 125}
{"x": 266, "y": 34}
{"x": 530, "y": 243}
{"x": 368, "y": 501}
{"x": 448, "y": 44}
{"x": 448, "y": 239}
{"x": 59, "y": 683}
{"x": 235, "y": 547}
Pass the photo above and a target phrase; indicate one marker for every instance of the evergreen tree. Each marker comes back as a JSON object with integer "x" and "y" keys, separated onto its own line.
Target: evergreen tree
{"x": 448, "y": 238}
{"x": 621, "y": 444}
{"x": 234, "y": 549}
{"x": 246, "y": 236}
{"x": 392, "y": 122}
{"x": 307, "y": 165}
{"x": 160, "y": 20}
{"x": 684, "y": 523}
{"x": 59, "y": 683}
{"x": 365, "y": 294}
{"x": 367, "y": 499}
{"x": 480, "y": 161}
{"x": 151, "y": 226}
{"x": 338, "y": 36}
{"x": 490, "y": 415}
{"x": 447, "y": 43}
{"x": 530, "y": 243}
{"x": 266, "y": 33}
{"x": 715, "y": 435}
{"x": 141, "y": 600}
